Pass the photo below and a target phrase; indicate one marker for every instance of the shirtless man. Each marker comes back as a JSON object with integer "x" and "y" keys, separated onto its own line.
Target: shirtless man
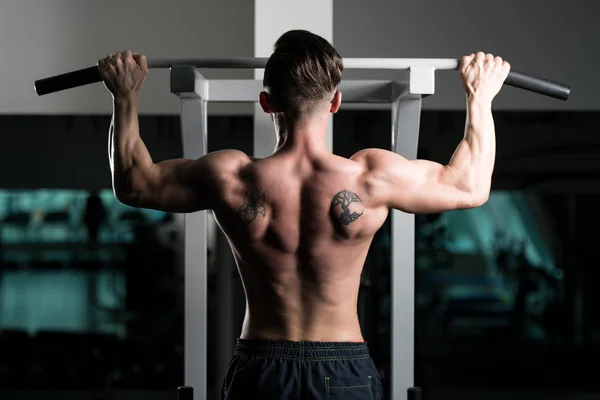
{"x": 300, "y": 222}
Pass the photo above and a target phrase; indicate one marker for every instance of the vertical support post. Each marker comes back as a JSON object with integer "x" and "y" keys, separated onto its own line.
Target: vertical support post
{"x": 272, "y": 18}
{"x": 406, "y": 113}
{"x": 192, "y": 89}
{"x": 406, "y": 119}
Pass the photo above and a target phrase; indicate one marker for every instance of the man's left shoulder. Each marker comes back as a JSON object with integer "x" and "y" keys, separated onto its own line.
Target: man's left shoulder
{"x": 226, "y": 167}
{"x": 226, "y": 159}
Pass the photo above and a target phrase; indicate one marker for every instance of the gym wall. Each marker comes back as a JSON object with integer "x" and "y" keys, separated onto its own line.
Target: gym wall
{"x": 554, "y": 39}
{"x": 43, "y": 38}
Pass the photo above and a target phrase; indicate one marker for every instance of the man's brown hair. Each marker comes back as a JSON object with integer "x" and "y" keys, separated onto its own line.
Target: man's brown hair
{"x": 303, "y": 70}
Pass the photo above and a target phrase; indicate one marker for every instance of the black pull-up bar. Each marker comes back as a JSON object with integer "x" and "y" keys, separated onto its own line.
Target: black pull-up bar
{"x": 91, "y": 74}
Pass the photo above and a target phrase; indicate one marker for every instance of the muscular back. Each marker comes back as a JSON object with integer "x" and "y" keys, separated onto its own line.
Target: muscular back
{"x": 299, "y": 224}
{"x": 300, "y": 228}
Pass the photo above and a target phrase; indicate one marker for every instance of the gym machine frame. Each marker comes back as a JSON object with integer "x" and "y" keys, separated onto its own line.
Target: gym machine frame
{"x": 404, "y": 98}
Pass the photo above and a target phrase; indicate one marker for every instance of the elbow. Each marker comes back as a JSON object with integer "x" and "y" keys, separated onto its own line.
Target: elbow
{"x": 124, "y": 197}
{"x": 127, "y": 195}
{"x": 478, "y": 189}
{"x": 132, "y": 187}
{"x": 475, "y": 190}
{"x": 481, "y": 192}
{"x": 478, "y": 198}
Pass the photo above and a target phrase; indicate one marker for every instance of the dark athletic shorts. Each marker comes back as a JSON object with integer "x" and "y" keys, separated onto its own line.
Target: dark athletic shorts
{"x": 279, "y": 369}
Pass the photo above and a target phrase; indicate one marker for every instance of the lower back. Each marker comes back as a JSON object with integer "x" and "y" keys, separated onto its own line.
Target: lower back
{"x": 294, "y": 304}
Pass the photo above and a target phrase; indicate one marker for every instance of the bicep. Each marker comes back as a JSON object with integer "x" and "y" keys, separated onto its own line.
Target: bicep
{"x": 419, "y": 186}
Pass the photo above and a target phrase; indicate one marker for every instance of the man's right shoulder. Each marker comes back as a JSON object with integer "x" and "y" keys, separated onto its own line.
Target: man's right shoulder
{"x": 371, "y": 158}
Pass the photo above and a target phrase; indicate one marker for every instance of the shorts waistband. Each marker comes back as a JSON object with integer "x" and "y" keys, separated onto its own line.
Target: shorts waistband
{"x": 304, "y": 351}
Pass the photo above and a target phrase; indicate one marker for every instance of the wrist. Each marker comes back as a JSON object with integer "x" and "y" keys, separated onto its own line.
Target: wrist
{"x": 125, "y": 100}
{"x": 125, "y": 107}
{"x": 477, "y": 101}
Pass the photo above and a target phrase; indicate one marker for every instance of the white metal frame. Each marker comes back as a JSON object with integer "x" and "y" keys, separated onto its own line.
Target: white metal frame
{"x": 405, "y": 100}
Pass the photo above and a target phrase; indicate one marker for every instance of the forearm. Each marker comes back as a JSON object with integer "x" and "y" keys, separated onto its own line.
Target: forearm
{"x": 473, "y": 161}
{"x": 128, "y": 156}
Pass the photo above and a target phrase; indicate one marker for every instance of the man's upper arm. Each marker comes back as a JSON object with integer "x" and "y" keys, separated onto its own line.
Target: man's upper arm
{"x": 416, "y": 186}
{"x": 183, "y": 185}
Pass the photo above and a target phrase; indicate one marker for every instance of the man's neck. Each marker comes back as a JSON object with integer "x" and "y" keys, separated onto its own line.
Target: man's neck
{"x": 308, "y": 135}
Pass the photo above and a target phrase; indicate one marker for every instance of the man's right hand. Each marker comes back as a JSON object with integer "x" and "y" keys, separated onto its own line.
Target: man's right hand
{"x": 483, "y": 75}
{"x": 123, "y": 73}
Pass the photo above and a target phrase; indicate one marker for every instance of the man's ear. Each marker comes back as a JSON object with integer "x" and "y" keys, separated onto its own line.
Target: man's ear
{"x": 263, "y": 99}
{"x": 336, "y": 102}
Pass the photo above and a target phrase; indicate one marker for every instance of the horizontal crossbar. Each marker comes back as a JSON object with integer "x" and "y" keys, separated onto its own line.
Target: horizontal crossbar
{"x": 349, "y": 63}
{"x": 422, "y": 70}
{"x": 242, "y": 90}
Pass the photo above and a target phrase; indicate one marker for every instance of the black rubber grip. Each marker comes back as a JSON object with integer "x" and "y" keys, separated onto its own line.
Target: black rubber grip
{"x": 415, "y": 393}
{"x": 538, "y": 85}
{"x": 66, "y": 81}
{"x": 185, "y": 393}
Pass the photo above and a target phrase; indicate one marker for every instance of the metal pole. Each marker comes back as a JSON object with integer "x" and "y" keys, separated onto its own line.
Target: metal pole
{"x": 406, "y": 119}
{"x": 193, "y": 130}
{"x": 406, "y": 114}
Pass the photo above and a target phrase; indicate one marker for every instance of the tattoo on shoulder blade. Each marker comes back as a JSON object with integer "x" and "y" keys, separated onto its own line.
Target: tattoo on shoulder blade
{"x": 342, "y": 201}
{"x": 254, "y": 204}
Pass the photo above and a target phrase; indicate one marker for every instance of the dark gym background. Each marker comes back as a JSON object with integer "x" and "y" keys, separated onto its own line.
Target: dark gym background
{"x": 91, "y": 290}
{"x": 505, "y": 293}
